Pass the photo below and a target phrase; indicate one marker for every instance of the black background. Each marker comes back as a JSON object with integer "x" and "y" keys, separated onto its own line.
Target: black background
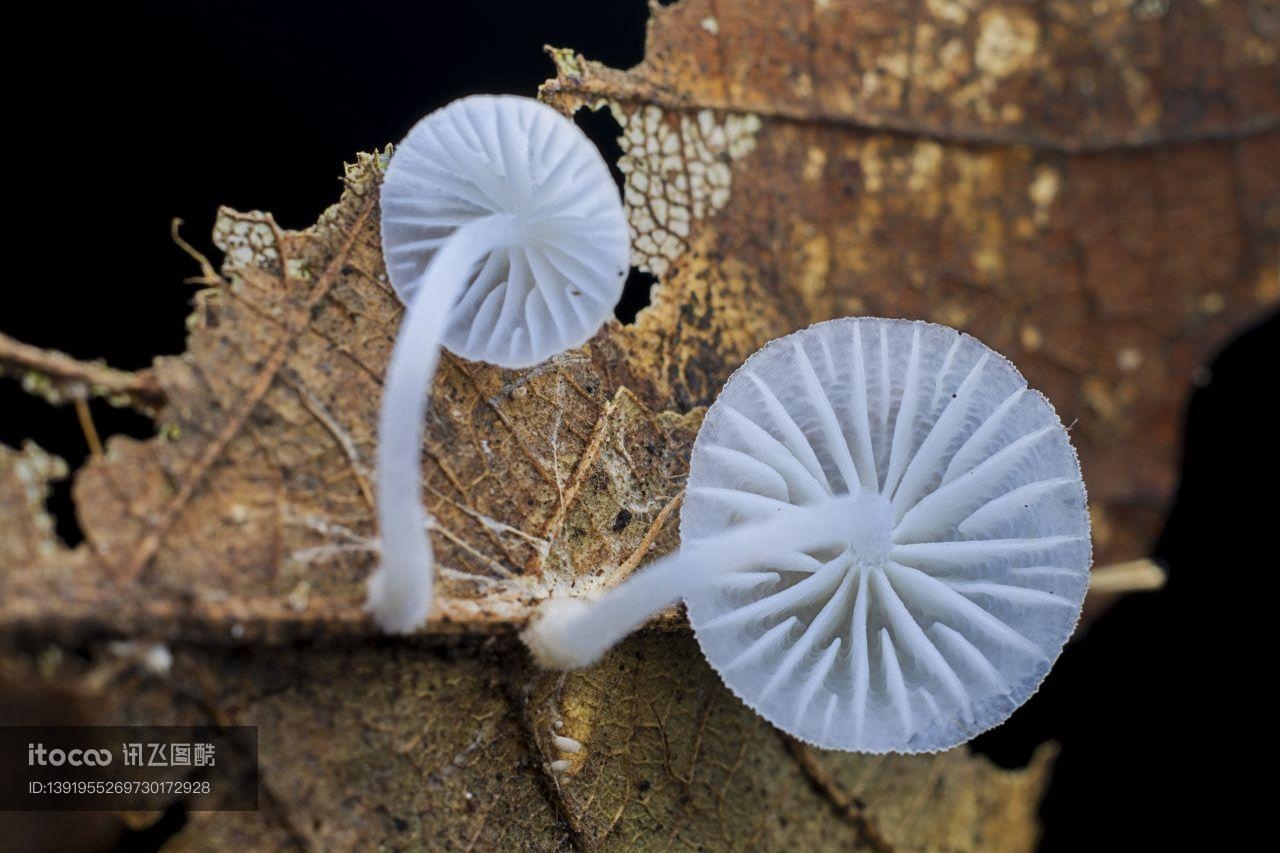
{"x": 173, "y": 109}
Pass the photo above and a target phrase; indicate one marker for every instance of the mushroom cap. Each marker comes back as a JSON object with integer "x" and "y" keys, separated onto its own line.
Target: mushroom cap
{"x": 961, "y": 582}
{"x": 550, "y": 283}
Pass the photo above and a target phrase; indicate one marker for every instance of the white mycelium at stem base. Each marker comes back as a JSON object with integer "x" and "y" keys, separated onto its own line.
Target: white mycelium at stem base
{"x": 504, "y": 235}
{"x": 885, "y": 540}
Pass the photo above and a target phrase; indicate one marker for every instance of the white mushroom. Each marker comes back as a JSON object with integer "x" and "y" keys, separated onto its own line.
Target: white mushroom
{"x": 504, "y": 235}
{"x": 885, "y": 540}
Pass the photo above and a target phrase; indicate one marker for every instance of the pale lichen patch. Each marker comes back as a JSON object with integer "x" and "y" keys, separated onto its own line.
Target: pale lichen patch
{"x": 884, "y": 168}
{"x": 1150, "y": 10}
{"x": 296, "y": 268}
{"x": 872, "y": 161}
{"x": 802, "y": 85}
{"x": 951, "y": 11}
{"x": 32, "y": 469}
{"x": 1129, "y": 359}
{"x": 677, "y": 171}
{"x": 1212, "y": 303}
{"x": 1007, "y": 41}
{"x": 300, "y": 597}
{"x": 926, "y": 165}
{"x": 1267, "y": 288}
{"x": 954, "y": 313}
{"x": 976, "y": 61}
{"x": 814, "y": 162}
{"x": 1043, "y": 189}
{"x": 1259, "y": 51}
{"x": 813, "y": 259}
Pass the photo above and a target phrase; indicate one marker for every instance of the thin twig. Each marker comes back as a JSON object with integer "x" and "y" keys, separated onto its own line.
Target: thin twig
{"x": 845, "y": 804}
{"x": 193, "y": 478}
{"x": 59, "y": 378}
{"x": 87, "y": 427}
{"x": 1134, "y": 576}
{"x": 208, "y": 275}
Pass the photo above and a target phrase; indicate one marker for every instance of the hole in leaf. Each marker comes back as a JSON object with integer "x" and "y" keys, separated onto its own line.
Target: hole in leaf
{"x": 636, "y": 295}
{"x": 63, "y": 509}
{"x": 604, "y": 131}
{"x": 56, "y": 429}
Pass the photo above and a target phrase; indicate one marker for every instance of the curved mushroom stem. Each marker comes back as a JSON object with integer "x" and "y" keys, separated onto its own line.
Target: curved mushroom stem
{"x": 400, "y": 590}
{"x": 570, "y": 633}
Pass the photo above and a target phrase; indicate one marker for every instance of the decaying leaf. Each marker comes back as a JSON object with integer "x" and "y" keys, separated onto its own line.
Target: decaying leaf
{"x": 253, "y": 505}
{"x": 26, "y": 529}
{"x": 357, "y": 749}
{"x": 1093, "y": 190}
{"x": 669, "y": 760}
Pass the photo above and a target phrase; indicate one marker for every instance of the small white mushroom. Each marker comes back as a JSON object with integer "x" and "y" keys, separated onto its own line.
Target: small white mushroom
{"x": 504, "y": 235}
{"x": 885, "y": 540}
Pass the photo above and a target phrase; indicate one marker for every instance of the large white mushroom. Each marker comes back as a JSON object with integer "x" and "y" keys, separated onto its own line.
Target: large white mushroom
{"x": 505, "y": 237}
{"x": 885, "y": 540}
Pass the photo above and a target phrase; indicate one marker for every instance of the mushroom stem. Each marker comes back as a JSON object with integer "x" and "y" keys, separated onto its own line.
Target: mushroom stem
{"x": 570, "y": 633}
{"x": 400, "y": 590}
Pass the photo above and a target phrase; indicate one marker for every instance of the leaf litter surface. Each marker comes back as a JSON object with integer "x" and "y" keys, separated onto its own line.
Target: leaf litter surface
{"x": 1095, "y": 193}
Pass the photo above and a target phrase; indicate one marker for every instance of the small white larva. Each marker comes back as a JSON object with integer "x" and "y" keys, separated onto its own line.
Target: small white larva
{"x": 885, "y": 540}
{"x": 566, "y": 744}
{"x": 561, "y": 766}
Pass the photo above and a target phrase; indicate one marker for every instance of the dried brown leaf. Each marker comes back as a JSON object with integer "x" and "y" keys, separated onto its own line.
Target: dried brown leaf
{"x": 356, "y": 751}
{"x": 928, "y": 164}
{"x": 1093, "y": 191}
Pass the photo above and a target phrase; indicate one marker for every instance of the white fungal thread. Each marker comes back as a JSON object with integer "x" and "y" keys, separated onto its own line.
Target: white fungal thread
{"x": 504, "y": 235}
{"x": 885, "y": 540}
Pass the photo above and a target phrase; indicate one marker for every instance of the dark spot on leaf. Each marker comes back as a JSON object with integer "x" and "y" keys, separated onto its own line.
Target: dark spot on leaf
{"x": 155, "y": 836}
{"x": 622, "y": 520}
